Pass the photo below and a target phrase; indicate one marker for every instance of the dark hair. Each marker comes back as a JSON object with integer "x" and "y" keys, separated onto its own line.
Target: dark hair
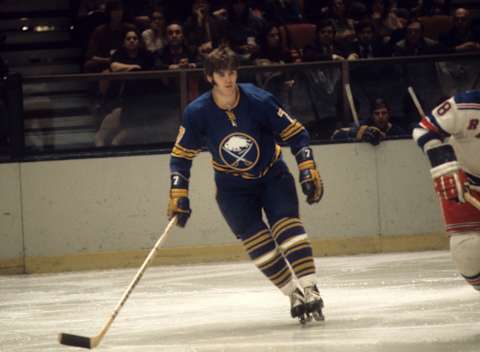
{"x": 415, "y": 20}
{"x": 220, "y": 59}
{"x": 360, "y": 26}
{"x": 378, "y": 103}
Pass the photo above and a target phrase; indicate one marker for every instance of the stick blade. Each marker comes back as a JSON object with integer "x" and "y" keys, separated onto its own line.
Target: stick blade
{"x": 75, "y": 340}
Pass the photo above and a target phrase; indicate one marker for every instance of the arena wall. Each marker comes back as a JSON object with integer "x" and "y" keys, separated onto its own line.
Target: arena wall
{"x": 106, "y": 213}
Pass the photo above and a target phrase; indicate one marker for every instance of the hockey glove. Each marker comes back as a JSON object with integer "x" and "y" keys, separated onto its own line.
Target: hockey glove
{"x": 370, "y": 134}
{"x": 449, "y": 179}
{"x": 179, "y": 204}
{"x": 310, "y": 180}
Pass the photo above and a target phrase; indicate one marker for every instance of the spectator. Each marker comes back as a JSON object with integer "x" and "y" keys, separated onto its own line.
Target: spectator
{"x": 176, "y": 53}
{"x": 106, "y": 39}
{"x": 367, "y": 44}
{"x": 130, "y": 57}
{"x": 344, "y": 28}
{"x": 415, "y": 43}
{"x": 272, "y": 52}
{"x": 154, "y": 38}
{"x": 383, "y": 18}
{"x": 403, "y": 18}
{"x": 463, "y": 36}
{"x": 203, "y": 31}
{"x": 318, "y": 89}
{"x": 325, "y": 46}
{"x": 243, "y": 30}
{"x": 374, "y": 129}
{"x": 457, "y": 75}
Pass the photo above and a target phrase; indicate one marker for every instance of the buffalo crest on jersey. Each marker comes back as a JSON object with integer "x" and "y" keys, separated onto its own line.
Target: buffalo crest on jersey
{"x": 239, "y": 151}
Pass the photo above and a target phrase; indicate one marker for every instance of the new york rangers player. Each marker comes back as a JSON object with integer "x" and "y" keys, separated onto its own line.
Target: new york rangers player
{"x": 240, "y": 124}
{"x": 450, "y": 136}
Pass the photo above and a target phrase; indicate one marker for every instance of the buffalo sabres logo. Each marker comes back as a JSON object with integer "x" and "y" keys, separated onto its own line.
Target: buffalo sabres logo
{"x": 239, "y": 151}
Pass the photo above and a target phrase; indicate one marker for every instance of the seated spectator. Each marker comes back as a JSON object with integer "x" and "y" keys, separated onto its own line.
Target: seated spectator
{"x": 325, "y": 47}
{"x": 176, "y": 53}
{"x": 243, "y": 30}
{"x": 114, "y": 129}
{"x": 415, "y": 43}
{"x": 344, "y": 27}
{"x": 271, "y": 50}
{"x": 154, "y": 37}
{"x": 132, "y": 56}
{"x": 463, "y": 36}
{"x": 402, "y": 19}
{"x": 202, "y": 30}
{"x": 106, "y": 39}
{"x": 372, "y": 130}
{"x": 384, "y": 18}
{"x": 367, "y": 44}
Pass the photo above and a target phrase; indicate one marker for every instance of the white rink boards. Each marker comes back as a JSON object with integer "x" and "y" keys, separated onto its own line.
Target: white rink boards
{"x": 413, "y": 302}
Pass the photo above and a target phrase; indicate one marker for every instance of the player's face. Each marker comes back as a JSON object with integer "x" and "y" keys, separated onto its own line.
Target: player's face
{"x": 225, "y": 81}
{"x": 381, "y": 117}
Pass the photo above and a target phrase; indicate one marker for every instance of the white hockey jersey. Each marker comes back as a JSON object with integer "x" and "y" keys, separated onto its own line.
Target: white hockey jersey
{"x": 455, "y": 121}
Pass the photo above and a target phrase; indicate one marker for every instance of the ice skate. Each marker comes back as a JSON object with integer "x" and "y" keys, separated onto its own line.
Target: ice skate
{"x": 313, "y": 303}
{"x": 297, "y": 306}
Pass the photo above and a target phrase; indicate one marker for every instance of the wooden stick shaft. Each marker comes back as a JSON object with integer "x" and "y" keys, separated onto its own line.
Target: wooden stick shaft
{"x": 137, "y": 277}
{"x": 92, "y": 342}
{"x": 416, "y": 102}
{"x": 472, "y": 200}
{"x": 348, "y": 90}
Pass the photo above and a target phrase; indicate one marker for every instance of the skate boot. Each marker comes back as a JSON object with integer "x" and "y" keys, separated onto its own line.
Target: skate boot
{"x": 297, "y": 306}
{"x": 313, "y": 303}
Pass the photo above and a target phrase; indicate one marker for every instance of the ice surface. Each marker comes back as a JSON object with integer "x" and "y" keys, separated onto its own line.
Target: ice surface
{"x": 384, "y": 302}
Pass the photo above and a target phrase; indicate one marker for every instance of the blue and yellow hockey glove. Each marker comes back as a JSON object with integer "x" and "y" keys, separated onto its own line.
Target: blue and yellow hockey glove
{"x": 179, "y": 204}
{"x": 310, "y": 180}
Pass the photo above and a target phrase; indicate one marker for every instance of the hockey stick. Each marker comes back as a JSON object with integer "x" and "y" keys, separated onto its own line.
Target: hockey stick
{"x": 472, "y": 200}
{"x": 92, "y": 342}
{"x": 416, "y": 102}
{"x": 348, "y": 90}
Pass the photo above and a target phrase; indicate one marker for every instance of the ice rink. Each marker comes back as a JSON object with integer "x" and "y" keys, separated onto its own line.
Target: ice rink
{"x": 384, "y": 302}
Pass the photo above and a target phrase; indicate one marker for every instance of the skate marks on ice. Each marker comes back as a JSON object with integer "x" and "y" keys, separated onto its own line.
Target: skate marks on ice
{"x": 388, "y": 302}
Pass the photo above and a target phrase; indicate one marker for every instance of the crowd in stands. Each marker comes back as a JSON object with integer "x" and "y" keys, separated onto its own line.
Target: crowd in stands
{"x": 344, "y": 29}
{"x": 155, "y": 34}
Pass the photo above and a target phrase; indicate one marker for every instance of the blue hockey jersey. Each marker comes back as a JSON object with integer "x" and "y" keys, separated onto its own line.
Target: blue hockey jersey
{"x": 243, "y": 142}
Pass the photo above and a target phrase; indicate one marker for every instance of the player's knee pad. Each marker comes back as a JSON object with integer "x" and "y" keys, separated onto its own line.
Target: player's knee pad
{"x": 465, "y": 250}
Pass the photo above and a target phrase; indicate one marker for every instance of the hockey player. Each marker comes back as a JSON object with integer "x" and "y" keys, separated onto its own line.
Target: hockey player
{"x": 450, "y": 136}
{"x": 240, "y": 124}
